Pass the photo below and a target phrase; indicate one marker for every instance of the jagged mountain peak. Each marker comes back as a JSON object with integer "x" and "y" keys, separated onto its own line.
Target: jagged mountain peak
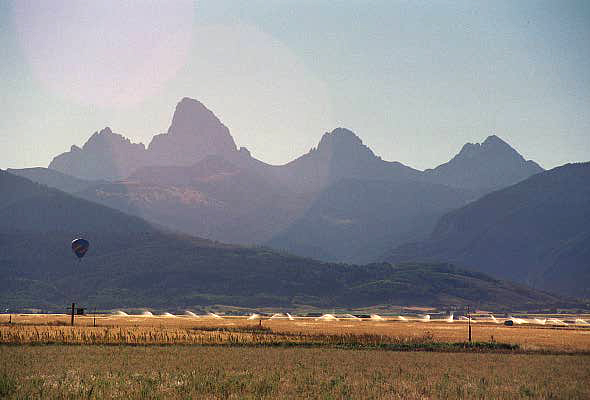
{"x": 343, "y": 141}
{"x": 105, "y": 155}
{"x": 195, "y": 132}
{"x": 99, "y": 135}
{"x": 492, "y": 145}
{"x": 105, "y": 131}
{"x": 191, "y": 116}
{"x": 109, "y": 138}
{"x": 341, "y": 136}
{"x": 484, "y": 166}
{"x": 340, "y": 154}
{"x": 493, "y": 140}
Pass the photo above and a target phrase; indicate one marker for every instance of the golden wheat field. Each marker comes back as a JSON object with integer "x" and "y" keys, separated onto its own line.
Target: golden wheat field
{"x": 181, "y": 372}
{"x": 31, "y": 328}
{"x": 233, "y": 357}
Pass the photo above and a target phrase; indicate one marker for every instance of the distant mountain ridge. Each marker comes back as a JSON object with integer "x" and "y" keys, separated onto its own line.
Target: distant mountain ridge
{"x": 484, "y": 167}
{"x": 535, "y": 232}
{"x": 106, "y": 155}
{"x": 340, "y": 154}
{"x": 195, "y": 180}
{"x": 195, "y": 132}
{"x": 55, "y": 179}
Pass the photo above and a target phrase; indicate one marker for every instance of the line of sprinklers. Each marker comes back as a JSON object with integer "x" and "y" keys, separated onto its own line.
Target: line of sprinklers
{"x": 469, "y": 319}
{"x": 425, "y": 318}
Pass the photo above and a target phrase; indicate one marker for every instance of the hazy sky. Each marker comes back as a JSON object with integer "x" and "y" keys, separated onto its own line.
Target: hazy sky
{"x": 415, "y": 80}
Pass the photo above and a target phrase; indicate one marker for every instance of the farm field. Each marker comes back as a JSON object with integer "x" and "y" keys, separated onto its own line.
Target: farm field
{"x": 181, "y": 372}
{"x": 31, "y": 328}
{"x": 164, "y": 357}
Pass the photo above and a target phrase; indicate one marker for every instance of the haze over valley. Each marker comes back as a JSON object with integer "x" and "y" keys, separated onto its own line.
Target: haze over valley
{"x": 195, "y": 180}
{"x": 339, "y": 202}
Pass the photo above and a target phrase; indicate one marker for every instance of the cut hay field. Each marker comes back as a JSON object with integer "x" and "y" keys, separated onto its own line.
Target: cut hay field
{"x": 233, "y": 357}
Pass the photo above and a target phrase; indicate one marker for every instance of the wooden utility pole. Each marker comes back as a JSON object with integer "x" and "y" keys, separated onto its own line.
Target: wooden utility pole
{"x": 469, "y": 322}
{"x": 73, "y": 309}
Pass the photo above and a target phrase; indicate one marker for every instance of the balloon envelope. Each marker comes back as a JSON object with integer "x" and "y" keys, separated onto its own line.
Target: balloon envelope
{"x": 80, "y": 247}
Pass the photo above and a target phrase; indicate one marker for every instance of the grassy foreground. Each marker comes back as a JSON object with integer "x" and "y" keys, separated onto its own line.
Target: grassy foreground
{"x": 180, "y": 372}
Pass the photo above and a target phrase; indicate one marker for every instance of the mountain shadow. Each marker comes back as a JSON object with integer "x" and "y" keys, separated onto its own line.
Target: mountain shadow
{"x": 355, "y": 220}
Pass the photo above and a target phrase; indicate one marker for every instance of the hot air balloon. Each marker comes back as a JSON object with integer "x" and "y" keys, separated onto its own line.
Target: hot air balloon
{"x": 80, "y": 247}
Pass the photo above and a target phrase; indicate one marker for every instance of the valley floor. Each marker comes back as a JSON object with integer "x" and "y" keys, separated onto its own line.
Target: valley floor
{"x": 180, "y": 372}
{"x": 152, "y": 357}
{"x": 137, "y": 329}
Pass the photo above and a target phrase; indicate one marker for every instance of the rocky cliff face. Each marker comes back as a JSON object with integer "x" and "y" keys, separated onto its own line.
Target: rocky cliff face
{"x": 195, "y": 133}
{"x": 106, "y": 155}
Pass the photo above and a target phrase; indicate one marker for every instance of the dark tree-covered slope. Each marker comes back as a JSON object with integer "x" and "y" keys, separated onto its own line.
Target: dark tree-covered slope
{"x": 132, "y": 264}
{"x": 55, "y": 179}
{"x": 536, "y": 232}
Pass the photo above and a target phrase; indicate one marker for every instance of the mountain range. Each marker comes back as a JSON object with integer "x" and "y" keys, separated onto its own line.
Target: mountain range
{"x": 132, "y": 263}
{"x": 193, "y": 179}
{"x": 487, "y": 209}
{"x": 194, "y": 133}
